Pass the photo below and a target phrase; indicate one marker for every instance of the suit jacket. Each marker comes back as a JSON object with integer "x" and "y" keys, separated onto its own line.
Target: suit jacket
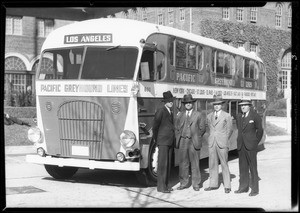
{"x": 251, "y": 132}
{"x": 163, "y": 127}
{"x": 197, "y": 124}
{"x": 220, "y": 130}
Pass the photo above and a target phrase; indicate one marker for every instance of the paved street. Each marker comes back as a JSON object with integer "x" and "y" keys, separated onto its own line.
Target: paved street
{"x": 28, "y": 183}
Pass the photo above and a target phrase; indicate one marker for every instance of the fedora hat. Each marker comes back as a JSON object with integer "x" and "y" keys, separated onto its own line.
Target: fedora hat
{"x": 218, "y": 100}
{"x": 188, "y": 98}
{"x": 245, "y": 102}
{"x": 168, "y": 97}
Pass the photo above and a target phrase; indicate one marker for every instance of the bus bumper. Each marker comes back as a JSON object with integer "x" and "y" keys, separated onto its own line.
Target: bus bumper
{"x": 83, "y": 163}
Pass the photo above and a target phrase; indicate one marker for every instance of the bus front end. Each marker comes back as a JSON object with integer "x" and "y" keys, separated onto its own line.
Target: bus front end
{"x": 87, "y": 112}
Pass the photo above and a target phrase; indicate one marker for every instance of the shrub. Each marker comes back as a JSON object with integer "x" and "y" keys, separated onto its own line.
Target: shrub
{"x": 279, "y": 104}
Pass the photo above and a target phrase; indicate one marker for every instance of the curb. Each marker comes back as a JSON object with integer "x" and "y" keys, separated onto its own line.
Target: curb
{"x": 13, "y": 150}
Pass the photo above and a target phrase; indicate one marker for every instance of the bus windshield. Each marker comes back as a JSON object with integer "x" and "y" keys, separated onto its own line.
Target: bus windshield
{"x": 89, "y": 63}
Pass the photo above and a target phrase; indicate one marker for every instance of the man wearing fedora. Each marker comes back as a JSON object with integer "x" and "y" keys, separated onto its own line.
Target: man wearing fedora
{"x": 250, "y": 132}
{"x": 220, "y": 129}
{"x": 189, "y": 129}
{"x": 163, "y": 134}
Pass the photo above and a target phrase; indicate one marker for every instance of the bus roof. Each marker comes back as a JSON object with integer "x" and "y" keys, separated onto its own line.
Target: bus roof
{"x": 127, "y": 32}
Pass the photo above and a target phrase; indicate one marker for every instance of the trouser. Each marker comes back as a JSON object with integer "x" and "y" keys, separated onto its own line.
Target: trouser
{"x": 188, "y": 154}
{"x": 215, "y": 154}
{"x": 248, "y": 161}
{"x": 163, "y": 167}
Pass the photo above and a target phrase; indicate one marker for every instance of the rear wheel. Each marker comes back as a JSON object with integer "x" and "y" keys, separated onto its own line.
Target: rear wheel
{"x": 61, "y": 172}
{"x": 148, "y": 176}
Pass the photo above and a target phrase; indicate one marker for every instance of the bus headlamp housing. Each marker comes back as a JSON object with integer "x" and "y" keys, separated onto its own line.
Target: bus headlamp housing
{"x": 120, "y": 157}
{"x": 35, "y": 135}
{"x": 127, "y": 138}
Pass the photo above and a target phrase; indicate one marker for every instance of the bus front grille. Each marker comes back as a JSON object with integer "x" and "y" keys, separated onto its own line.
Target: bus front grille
{"x": 81, "y": 125}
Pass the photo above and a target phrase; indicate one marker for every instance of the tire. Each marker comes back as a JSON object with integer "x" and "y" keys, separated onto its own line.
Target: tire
{"x": 60, "y": 172}
{"x": 148, "y": 176}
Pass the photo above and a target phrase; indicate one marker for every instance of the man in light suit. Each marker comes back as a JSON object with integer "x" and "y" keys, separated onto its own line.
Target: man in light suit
{"x": 163, "y": 134}
{"x": 220, "y": 129}
{"x": 250, "y": 132}
{"x": 189, "y": 129}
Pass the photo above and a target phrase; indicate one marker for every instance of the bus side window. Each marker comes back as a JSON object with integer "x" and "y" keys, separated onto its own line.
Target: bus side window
{"x": 146, "y": 70}
{"x": 225, "y": 106}
{"x": 160, "y": 66}
{"x": 233, "y": 107}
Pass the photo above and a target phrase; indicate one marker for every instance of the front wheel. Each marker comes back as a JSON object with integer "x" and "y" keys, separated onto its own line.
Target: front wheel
{"x": 60, "y": 172}
{"x": 148, "y": 176}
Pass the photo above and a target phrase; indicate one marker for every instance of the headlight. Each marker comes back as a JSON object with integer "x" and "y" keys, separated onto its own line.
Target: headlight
{"x": 120, "y": 157}
{"x": 34, "y": 135}
{"x": 127, "y": 138}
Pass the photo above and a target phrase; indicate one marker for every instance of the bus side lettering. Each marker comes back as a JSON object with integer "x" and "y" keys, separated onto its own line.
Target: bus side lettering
{"x": 71, "y": 88}
{"x": 117, "y": 88}
{"x": 50, "y": 88}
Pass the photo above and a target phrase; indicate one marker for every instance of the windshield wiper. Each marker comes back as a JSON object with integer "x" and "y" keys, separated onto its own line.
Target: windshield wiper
{"x": 111, "y": 48}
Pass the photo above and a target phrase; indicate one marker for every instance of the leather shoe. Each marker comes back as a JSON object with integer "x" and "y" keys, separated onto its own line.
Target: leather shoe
{"x": 253, "y": 194}
{"x": 210, "y": 188}
{"x": 165, "y": 191}
{"x": 182, "y": 187}
{"x": 227, "y": 190}
{"x": 241, "y": 191}
{"x": 196, "y": 188}
{"x": 170, "y": 189}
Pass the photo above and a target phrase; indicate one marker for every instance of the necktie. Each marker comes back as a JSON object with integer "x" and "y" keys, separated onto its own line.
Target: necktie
{"x": 216, "y": 117}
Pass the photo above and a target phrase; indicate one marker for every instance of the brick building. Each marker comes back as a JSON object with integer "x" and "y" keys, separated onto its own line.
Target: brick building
{"x": 264, "y": 30}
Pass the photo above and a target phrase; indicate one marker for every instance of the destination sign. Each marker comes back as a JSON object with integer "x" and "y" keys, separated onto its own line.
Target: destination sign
{"x": 88, "y": 38}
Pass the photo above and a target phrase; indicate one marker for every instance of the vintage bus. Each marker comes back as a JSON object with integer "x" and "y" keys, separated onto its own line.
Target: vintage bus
{"x": 99, "y": 83}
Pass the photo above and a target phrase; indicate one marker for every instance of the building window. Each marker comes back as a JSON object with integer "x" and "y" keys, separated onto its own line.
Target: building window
{"x": 171, "y": 15}
{"x": 144, "y": 15}
{"x": 253, "y": 48}
{"x": 253, "y": 14}
{"x": 226, "y": 41}
{"x": 290, "y": 16}
{"x": 241, "y": 44}
{"x": 44, "y": 27}
{"x": 240, "y": 14}
{"x": 18, "y": 80}
{"x": 160, "y": 17}
{"x": 285, "y": 68}
{"x": 14, "y": 25}
{"x": 278, "y": 15}
{"x": 182, "y": 14}
{"x": 225, "y": 13}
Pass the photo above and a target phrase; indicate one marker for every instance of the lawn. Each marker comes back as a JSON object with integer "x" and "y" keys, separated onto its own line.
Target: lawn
{"x": 16, "y": 135}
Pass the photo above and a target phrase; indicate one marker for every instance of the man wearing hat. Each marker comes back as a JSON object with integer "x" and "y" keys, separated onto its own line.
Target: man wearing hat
{"x": 189, "y": 129}
{"x": 163, "y": 134}
{"x": 220, "y": 129}
{"x": 250, "y": 132}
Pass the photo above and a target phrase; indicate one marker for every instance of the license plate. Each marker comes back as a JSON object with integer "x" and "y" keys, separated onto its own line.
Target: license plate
{"x": 80, "y": 150}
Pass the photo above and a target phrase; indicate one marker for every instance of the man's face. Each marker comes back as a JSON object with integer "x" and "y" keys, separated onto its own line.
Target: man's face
{"x": 169, "y": 104}
{"x": 245, "y": 108}
{"x": 188, "y": 106}
{"x": 217, "y": 107}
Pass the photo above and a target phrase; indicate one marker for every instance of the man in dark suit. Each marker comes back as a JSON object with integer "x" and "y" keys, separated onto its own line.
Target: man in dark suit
{"x": 219, "y": 123}
{"x": 163, "y": 134}
{"x": 250, "y": 132}
{"x": 189, "y": 129}
{"x": 10, "y": 120}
